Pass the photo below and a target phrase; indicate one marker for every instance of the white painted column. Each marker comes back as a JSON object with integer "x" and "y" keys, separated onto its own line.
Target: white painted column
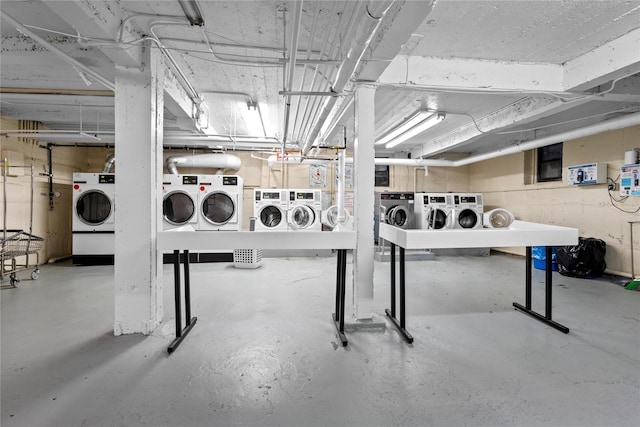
{"x": 138, "y": 149}
{"x": 364, "y": 185}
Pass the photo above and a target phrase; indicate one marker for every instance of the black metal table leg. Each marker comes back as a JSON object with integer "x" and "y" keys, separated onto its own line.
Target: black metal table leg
{"x": 400, "y": 325}
{"x": 548, "y": 281}
{"x": 338, "y": 316}
{"x": 190, "y": 321}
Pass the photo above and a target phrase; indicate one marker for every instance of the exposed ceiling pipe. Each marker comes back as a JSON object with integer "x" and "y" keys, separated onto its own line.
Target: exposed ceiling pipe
{"x": 108, "y": 163}
{"x": 217, "y": 161}
{"x": 78, "y": 66}
{"x": 293, "y": 51}
{"x": 366, "y": 30}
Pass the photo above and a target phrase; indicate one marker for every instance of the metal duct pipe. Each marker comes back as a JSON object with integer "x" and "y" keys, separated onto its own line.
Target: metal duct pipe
{"x": 366, "y": 30}
{"x": 108, "y": 163}
{"x": 217, "y": 161}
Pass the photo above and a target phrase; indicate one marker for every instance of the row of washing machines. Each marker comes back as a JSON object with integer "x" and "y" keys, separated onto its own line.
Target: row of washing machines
{"x": 431, "y": 211}
{"x": 288, "y": 209}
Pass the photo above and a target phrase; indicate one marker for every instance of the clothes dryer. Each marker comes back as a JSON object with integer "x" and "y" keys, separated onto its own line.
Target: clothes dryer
{"x": 397, "y": 209}
{"x": 180, "y": 201}
{"x": 433, "y": 211}
{"x": 220, "y": 203}
{"x": 93, "y": 223}
{"x": 468, "y": 210}
{"x": 270, "y": 207}
{"x": 305, "y": 210}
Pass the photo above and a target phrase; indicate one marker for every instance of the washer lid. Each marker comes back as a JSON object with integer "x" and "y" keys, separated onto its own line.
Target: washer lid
{"x": 301, "y": 217}
{"x": 398, "y": 216}
{"x": 271, "y": 216}
{"x": 218, "y": 208}
{"x": 93, "y": 207}
{"x": 178, "y": 208}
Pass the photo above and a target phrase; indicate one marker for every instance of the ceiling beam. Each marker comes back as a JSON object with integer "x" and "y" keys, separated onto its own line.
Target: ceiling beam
{"x": 472, "y": 74}
{"x": 102, "y": 20}
{"x": 617, "y": 59}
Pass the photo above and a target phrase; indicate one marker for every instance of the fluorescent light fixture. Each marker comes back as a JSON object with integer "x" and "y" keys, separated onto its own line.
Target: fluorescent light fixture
{"x": 252, "y": 119}
{"x": 192, "y": 12}
{"x": 415, "y": 125}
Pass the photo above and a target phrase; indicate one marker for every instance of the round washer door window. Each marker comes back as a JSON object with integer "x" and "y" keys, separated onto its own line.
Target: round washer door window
{"x": 271, "y": 216}
{"x": 467, "y": 218}
{"x": 178, "y": 208}
{"x": 437, "y": 219}
{"x": 302, "y": 217}
{"x": 93, "y": 207}
{"x": 218, "y": 208}
{"x": 398, "y": 216}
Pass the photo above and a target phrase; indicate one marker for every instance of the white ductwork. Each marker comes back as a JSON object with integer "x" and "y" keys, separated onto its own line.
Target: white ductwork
{"x": 108, "y": 163}
{"x": 220, "y": 162}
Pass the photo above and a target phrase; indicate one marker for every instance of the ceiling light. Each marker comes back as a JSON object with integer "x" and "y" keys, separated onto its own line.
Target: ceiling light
{"x": 413, "y": 127}
{"x": 192, "y": 12}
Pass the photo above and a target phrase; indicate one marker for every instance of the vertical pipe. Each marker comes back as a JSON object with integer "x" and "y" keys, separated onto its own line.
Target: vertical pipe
{"x": 50, "y": 161}
{"x": 633, "y": 273}
{"x": 547, "y": 282}
{"x": 341, "y": 182}
{"x": 527, "y": 276}
{"x": 338, "y": 286}
{"x": 343, "y": 285}
{"x": 5, "y": 166}
{"x": 187, "y": 289}
{"x": 176, "y": 283}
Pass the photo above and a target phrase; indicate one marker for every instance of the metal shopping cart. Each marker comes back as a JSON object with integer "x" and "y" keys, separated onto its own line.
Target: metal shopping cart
{"x": 16, "y": 246}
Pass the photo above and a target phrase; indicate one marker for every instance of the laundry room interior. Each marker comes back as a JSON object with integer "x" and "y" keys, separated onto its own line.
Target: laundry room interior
{"x": 349, "y": 213}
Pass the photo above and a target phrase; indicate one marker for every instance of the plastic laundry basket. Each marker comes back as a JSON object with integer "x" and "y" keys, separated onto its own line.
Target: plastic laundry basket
{"x": 247, "y": 258}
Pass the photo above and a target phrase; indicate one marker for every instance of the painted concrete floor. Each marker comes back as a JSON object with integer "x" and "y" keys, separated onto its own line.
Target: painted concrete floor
{"x": 265, "y": 353}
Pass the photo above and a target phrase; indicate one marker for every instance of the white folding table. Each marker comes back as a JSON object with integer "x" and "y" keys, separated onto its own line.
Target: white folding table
{"x": 191, "y": 240}
{"x": 520, "y": 233}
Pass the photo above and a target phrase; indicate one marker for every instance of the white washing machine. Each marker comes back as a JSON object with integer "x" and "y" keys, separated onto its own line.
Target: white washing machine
{"x": 433, "y": 211}
{"x": 397, "y": 209}
{"x": 93, "y": 225}
{"x": 270, "y": 207}
{"x": 468, "y": 210}
{"x": 180, "y": 201}
{"x": 220, "y": 202}
{"x": 305, "y": 210}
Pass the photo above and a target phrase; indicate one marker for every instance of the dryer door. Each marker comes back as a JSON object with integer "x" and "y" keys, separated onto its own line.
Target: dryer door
{"x": 271, "y": 216}
{"x": 219, "y": 208}
{"x": 93, "y": 207}
{"x": 178, "y": 208}
{"x": 398, "y": 216}
{"x": 467, "y": 218}
{"x": 301, "y": 217}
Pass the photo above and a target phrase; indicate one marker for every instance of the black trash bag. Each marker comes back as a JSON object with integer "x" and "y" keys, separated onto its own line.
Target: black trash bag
{"x": 585, "y": 260}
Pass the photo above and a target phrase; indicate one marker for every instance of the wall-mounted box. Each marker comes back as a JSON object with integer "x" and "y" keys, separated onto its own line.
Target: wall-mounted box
{"x": 593, "y": 173}
{"x": 630, "y": 180}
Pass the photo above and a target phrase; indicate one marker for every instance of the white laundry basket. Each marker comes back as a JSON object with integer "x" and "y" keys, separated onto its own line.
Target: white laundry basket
{"x": 247, "y": 258}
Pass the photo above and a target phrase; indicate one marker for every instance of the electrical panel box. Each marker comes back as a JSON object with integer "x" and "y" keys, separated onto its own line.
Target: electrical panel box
{"x": 593, "y": 173}
{"x": 630, "y": 180}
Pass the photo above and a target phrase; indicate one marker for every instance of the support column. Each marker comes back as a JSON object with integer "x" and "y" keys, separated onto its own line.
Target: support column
{"x": 364, "y": 185}
{"x": 138, "y": 148}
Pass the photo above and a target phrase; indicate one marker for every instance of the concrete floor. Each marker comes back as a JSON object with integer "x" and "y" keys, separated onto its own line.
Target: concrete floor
{"x": 265, "y": 353}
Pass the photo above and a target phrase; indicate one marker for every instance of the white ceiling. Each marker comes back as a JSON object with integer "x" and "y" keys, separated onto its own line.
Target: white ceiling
{"x": 503, "y": 72}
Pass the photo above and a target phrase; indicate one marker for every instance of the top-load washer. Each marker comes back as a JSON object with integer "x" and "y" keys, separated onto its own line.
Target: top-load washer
{"x": 93, "y": 222}
{"x": 180, "y": 201}
{"x": 433, "y": 211}
{"x": 305, "y": 210}
{"x": 270, "y": 207}
{"x": 220, "y": 202}
{"x": 468, "y": 210}
{"x": 397, "y": 209}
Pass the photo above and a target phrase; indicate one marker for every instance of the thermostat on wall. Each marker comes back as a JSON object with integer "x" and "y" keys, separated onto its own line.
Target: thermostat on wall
{"x": 593, "y": 173}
